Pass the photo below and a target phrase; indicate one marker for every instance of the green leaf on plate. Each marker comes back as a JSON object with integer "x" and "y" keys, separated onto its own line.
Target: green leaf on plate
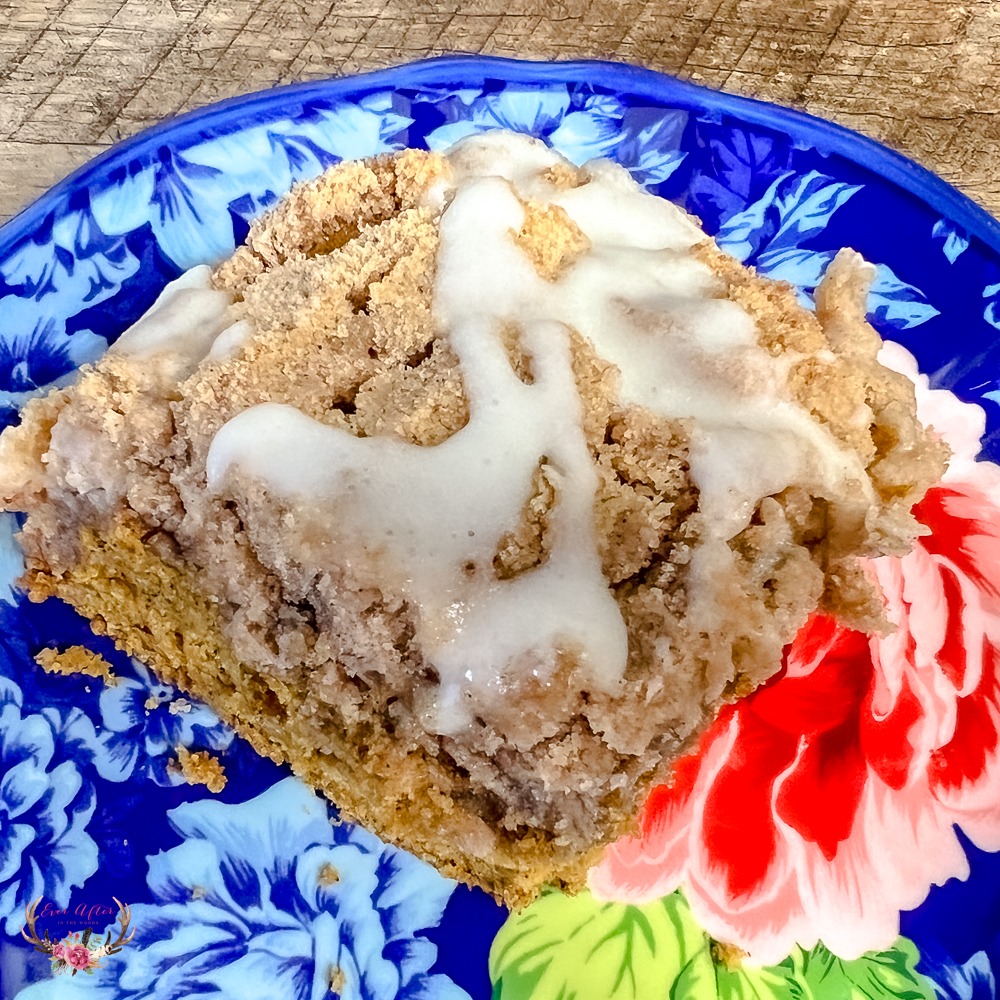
{"x": 576, "y": 948}
{"x": 889, "y": 974}
{"x": 704, "y": 978}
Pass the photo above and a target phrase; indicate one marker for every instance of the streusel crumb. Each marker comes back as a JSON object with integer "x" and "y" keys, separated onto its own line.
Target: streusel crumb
{"x": 76, "y": 660}
{"x": 199, "y": 767}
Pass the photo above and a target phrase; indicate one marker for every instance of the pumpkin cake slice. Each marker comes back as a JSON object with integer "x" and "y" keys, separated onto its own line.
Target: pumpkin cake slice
{"x": 472, "y": 486}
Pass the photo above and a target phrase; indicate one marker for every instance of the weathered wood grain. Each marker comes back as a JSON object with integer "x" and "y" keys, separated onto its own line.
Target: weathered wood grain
{"x": 77, "y": 75}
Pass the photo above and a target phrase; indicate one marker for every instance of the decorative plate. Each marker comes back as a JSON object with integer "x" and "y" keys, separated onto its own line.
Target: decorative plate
{"x": 831, "y": 837}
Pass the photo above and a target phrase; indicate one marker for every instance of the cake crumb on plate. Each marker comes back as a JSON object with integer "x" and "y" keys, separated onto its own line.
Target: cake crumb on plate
{"x": 199, "y": 767}
{"x": 76, "y": 660}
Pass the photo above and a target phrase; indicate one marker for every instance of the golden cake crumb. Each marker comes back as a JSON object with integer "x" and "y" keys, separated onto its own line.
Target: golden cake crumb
{"x": 199, "y": 767}
{"x": 76, "y": 660}
{"x": 728, "y": 955}
{"x": 551, "y": 239}
{"x": 337, "y": 980}
{"x": 328, "y": 875}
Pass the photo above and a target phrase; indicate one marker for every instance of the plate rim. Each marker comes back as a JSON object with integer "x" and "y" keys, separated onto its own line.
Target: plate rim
{"x": 825, "y": 135}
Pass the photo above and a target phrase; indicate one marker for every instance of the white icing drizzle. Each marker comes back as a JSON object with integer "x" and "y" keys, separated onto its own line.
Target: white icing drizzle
{"x": 184, "y": 324}
{"x": 436, "y": 512}
{"x": 432, "y": 513}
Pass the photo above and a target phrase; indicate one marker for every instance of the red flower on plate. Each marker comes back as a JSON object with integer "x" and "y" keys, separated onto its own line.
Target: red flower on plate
{"x": 824, "y": 803}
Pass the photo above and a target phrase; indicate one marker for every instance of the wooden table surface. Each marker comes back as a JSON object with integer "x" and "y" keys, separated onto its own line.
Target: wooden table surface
{"x": 77, "y": 75}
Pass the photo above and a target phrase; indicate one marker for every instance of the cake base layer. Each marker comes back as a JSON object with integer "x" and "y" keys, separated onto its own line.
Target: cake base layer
{"x": 156, "y": 612}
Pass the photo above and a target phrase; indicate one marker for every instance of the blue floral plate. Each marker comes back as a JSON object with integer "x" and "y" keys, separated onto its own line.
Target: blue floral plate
{"x": 866, "y": 799}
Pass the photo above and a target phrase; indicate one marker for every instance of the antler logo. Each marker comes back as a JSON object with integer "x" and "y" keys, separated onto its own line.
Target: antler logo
{"x": 76, "y": 952}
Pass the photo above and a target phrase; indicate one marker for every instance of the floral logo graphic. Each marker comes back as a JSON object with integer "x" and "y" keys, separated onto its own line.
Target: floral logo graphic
{"x": 77, "y": 952}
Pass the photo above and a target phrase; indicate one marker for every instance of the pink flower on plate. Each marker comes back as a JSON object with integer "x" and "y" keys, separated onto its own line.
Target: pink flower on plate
{"x": 78, "y": 956}
{"x": 823, "y": 804}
